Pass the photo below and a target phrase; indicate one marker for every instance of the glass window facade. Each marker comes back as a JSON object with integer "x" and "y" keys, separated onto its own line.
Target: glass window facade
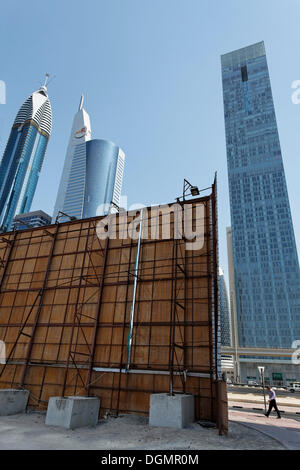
{"x": 224, "y": 311}
{"x": 104, "y": 175}
{"x": 95, "y": 179}
{"x": 74, "y": 197}
{"x": 266, "y": 266}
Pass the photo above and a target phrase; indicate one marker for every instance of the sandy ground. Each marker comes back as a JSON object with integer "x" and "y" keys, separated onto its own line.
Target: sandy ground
{"x": 28, "y": 431}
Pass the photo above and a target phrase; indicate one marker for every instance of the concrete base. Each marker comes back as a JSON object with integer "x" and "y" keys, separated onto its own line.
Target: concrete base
{"x": 171, "y": 411}
{"x": 13, "y": 401}
{"x": 72, "y": 412}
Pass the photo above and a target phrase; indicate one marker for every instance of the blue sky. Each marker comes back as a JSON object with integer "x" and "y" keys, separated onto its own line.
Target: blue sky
{"x": 150, "y": 73}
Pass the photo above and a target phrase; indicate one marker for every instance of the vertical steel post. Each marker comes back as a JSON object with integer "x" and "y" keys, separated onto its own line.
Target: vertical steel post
{"x": 216, "y": 300}
{"x": 129, "y": 343}
{"x": 11, "y": 246}
{"x": 75, "y": 313}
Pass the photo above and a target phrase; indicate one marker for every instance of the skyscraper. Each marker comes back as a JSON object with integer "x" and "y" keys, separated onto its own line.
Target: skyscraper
{"x": 23, "y": 156}
{"x": 75, "y": 162}
{"x": 92, "y": 174}
{"x": 266, "y": 267}
{"x": 104, "y": 176}
{"x": 224, "y": 311}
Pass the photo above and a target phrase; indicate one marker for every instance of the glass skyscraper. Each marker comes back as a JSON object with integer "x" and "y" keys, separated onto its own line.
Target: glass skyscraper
{"x": 224, "y": 311}
{"x": 266, "y": 267}
{"x": 92, "y": 175}
{"x": 23, "y": 156}
{"x": 104, "y": 176}
{"x": 75, "y": 162}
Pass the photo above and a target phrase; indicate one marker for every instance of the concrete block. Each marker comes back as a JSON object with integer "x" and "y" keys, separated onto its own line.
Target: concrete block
{"x": 72, "y": 412}
{"x": 175, "y": 411}
{"x": 13, "y": 401}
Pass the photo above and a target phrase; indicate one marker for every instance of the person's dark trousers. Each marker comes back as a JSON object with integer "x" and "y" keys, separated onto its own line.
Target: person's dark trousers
{"x": 273, "y": 404}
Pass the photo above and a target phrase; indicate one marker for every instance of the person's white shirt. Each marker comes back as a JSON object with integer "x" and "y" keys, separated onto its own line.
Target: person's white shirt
{"x": 272, "y": 394}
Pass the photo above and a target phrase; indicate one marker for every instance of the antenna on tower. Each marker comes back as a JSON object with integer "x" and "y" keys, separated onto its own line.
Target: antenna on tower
{"x": 46, "y": 79}
{"x": 81, "y": 102}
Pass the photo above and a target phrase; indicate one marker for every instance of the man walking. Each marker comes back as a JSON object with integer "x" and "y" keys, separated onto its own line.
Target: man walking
{"x": 272, "y": 403}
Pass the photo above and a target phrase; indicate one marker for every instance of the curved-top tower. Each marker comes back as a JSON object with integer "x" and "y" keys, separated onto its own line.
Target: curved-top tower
{"x": 23, "y": 156}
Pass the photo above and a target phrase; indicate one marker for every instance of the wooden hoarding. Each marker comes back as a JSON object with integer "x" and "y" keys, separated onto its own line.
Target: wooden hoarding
{"x": 116, "y": 318}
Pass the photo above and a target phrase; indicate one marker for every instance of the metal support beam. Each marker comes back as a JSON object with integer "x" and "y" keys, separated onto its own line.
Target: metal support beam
{"x": 93, "y": 347}
{"x": 135, "y": 274}
{"x": 11, "y": 244}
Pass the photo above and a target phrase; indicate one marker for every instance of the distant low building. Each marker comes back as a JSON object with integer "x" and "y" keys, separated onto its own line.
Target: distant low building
{"x": 31, "y": 219}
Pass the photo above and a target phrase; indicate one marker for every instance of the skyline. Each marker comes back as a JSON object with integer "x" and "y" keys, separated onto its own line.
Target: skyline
{"x": 131, "y": 98}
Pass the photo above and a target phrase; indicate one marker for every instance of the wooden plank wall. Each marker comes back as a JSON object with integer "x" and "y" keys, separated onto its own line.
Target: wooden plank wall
{"x": 65, "y": 302}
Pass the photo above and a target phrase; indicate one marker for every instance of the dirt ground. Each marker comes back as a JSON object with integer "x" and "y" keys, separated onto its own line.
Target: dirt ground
{"x": 28, "y": 431}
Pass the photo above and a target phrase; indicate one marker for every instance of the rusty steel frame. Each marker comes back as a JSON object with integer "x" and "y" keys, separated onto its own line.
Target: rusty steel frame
{"x": 174, "y": 322}
{"x": 93, "y": 346}
{"x": 11, "y": 244}
{"x": 214, "y": 202}
{"x": 30, "y": 344}
{"x": 77, "y": 316}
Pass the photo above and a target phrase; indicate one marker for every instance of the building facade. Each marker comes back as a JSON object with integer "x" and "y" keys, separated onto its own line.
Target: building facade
{"x": 224, "y": 311}
{"x": 93, "y": 172}
{"x": 104, "y": 175}
{"x": 265, "y": 262}
{"x": 23, "y": 156}
{"x": 31, "y": 219}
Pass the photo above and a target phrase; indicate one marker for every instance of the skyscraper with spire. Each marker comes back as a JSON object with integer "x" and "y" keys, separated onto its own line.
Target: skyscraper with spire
{"x": 92, "y": 175}
{"x": 23, "y": 156}
{"x": 73, "y": 175}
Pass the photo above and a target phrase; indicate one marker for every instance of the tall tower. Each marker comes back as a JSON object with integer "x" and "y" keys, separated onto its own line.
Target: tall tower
{"x": 92, "y": 175}
{"x": 23, "y": 156}
{"x": 224, "y": 311}
{"x": 265, "y": 261}
{"x": 75, "y": 163}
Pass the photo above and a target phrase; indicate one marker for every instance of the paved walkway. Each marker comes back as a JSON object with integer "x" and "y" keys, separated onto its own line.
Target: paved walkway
{"x": 259, "y": 399}
{"x": 260, "y": 407}
{"x": 284, "y": 430}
